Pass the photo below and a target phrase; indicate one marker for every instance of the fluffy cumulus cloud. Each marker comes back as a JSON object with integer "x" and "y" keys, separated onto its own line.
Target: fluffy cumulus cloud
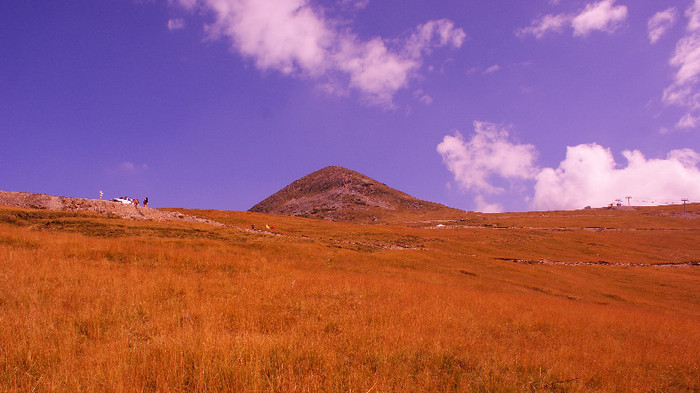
{"x": 588, "y": 176}
{"x": 481, "y": 205}
{"x": 660, "y": 23}
{"x": 488, "y": 155}
{"x": 599, "y": 16}
{"x": 684, "y": 92}
{"x": 603, "y": 16}
{"x": 295, "y": 38}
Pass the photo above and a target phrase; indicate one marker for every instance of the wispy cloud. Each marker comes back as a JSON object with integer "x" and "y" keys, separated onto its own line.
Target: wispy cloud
{"x": 354, "y": 4}
{"x": 660, "y": 23}
{"x": 602, "y": 16}
{"x": 587, "y": 176}
{"x": 127, "y": 166}
{"x": 176, "y": 24}
{"x": 492, "y": 69}
{"x": 544, "y": 25}
{"x": 130, "y": 167}
{"x": 294, "y": 38}
{"x": 423, "y": 97}
{"x": 684, "y": 92}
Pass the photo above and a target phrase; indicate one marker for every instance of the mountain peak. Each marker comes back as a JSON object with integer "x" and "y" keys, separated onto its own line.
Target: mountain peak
{"x": 340, "y": 194}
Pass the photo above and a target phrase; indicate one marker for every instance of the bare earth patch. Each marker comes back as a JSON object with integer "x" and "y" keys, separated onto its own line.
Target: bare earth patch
{"x": 105, "y": 208}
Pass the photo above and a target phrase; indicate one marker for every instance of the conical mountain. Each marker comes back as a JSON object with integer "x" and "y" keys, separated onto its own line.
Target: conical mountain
{"x": 340, "y": 194}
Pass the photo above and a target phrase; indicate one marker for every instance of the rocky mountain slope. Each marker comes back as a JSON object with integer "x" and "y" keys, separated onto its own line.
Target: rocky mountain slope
{"x": 340, "y": 194}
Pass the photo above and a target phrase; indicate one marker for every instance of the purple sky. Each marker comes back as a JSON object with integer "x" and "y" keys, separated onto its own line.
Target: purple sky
{"x": 486, "y": 105}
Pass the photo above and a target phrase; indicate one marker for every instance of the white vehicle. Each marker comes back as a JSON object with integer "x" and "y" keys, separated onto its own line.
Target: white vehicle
{"x": 124, "y": 200}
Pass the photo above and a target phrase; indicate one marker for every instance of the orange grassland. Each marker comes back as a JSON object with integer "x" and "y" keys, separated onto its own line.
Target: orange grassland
{"x": 103, "y": 304}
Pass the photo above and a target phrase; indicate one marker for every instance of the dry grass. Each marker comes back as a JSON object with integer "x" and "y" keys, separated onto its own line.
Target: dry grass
{"x": 89, "y": 303}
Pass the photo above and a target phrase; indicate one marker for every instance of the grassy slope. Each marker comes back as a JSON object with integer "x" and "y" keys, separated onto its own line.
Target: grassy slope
{"x": 89, "y": 303}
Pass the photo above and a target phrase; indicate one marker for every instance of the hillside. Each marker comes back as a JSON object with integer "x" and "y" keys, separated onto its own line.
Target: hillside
{"x": 583, "y": 301}
{"x": 339, "y": 194}
{"x": 102, "y": 207}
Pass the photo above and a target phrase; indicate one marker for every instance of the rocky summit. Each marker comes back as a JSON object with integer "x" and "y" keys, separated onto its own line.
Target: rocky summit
{"x": 339, "y": 194}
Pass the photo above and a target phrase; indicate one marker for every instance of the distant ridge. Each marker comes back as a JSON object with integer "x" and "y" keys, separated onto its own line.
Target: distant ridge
{"x": 339, "y": 194}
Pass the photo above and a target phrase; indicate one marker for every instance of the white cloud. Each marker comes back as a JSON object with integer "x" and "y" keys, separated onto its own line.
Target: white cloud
{"x": 693, "y": 15}
{"x": 130, "y": 167}
{"x": 354, "y": 4}
{"x": 687, "y": 157}
{"x": 485, "y": 207}
{"x": 189, "y": 5}
{"x": 285, "y": 35}
{"x": 603, "y": 16}
{"x": 294, "y": 38}
{"x": 688, "y": 121}
{"x": 473, "y": 70}
{"x": 589, "y": 176}
{"x": 660, "y": 23}
{"x": 440, "y": 32}
{"x": 127, "y": 166}
{"x": 478, "y": 162}
{"x": 492, "y": 69}
{"x": 375, "y": 70}
{"x": 683, "y": 92}
{"x": 488, "y": 153}
{"x": 423, "y": 97}
{"x": 687, "y": 59}
{"x": 541, "y": 26}
{"x": 176, "y": 24}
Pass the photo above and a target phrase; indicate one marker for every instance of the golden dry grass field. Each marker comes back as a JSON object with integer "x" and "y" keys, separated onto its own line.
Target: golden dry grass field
{"x": 485, "y": 303}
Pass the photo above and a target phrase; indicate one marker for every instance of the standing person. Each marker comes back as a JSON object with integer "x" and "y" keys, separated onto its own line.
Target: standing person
{"x": 145, "y": 202}
{"x": 136, "y": 202}
{"x": 100, "y": 194}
